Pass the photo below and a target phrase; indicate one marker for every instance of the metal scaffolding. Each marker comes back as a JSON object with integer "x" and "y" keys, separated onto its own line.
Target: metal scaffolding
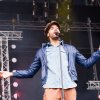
{"x": 4, "y": 59}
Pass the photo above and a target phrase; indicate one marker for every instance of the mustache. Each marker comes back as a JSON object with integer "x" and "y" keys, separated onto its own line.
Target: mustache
{"x": 58, "y": 34}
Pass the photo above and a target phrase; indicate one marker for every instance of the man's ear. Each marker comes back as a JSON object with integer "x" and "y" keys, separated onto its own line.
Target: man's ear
{"x": 47, "y": 34}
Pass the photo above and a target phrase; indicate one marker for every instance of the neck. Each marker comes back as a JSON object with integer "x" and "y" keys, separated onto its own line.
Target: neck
{"x": 55, "y": 42}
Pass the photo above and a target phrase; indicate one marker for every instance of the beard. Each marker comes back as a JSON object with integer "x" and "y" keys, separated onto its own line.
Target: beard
{"x": 54, "y": 37}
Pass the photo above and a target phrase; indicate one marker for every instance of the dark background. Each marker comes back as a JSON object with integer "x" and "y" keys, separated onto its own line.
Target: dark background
{"x": 33, "y": 36}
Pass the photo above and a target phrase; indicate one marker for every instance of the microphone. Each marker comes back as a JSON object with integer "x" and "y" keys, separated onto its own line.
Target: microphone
{"x": 58, "y": 34}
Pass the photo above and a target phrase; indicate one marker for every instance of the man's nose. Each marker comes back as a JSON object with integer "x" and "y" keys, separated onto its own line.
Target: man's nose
{"x": 57, "y": 30}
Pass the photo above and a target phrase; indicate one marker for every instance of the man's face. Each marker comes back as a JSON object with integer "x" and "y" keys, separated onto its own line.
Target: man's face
{"x": 52, "y": 32}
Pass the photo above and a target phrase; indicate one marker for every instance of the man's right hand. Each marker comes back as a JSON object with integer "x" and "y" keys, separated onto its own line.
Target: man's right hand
{"x": 5, "y": 74}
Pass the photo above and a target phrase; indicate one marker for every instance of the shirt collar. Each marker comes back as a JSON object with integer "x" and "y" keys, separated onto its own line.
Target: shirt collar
{"x": 49, "y": 44}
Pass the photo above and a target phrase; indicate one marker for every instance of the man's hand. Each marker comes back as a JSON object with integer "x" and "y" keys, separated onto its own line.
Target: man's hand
{"x": 99, "y": 47}
{"x": 5, "y": 74}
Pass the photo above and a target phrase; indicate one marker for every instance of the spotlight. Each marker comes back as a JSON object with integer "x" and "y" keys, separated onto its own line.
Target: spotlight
{"x": 15, "y": 84}
{"x": 33, "y": 8}
{"x": 15, "y": 95}
{"x": 92, "y": 0}
{"x": 33, "y": 3}
{"x": 99, "y": 96}
{"x": 45, "y": 4}
{"x": 14, "y": 60}
{"x": 13, "y": 46}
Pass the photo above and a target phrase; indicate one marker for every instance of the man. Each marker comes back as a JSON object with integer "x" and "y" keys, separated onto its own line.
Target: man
{"x": 57, "y": 60}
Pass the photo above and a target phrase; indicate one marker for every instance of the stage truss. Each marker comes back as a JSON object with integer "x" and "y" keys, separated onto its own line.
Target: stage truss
{"x": 5, "y": 36}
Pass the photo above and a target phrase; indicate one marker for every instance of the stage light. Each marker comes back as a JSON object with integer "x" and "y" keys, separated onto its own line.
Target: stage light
{"x": 45, "y": 9}
{"x": 33, "y": 3}
{"x": 45, "y": 14}
{"x": 68, "y": 7}
{"x": 45, "y": 4}
{"x": 15, "y": 95}
{"x": 99, "y": 96}
{"x": 57, "y": 10}
{"x": 33, "y": 13}
{"x": 57, "y": 5}
{"x": 14, "y": 60}
{"x": 13, "y": 46}
{"x": 15, "y": 84}
{"x": 33, "y": 8}
{"x": 92, "y": 0}
{"x": 68, "y": 17}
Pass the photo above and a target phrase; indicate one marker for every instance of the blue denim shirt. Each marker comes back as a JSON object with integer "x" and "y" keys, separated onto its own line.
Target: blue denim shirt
{"x": 40, "y": 61}
{"x": 57, "y": 73}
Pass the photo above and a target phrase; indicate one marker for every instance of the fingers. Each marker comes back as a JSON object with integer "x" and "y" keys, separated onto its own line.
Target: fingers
{"x": 0, "y": 75}
{"x": 1, "y": 71}
{"x": 3, "y": 74}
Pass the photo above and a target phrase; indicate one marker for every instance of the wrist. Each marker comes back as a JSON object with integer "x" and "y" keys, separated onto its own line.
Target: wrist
{"x": 11, "y": 73}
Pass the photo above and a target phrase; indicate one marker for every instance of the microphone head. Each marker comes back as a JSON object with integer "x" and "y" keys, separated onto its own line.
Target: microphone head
{"x": 58, "y": 34}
